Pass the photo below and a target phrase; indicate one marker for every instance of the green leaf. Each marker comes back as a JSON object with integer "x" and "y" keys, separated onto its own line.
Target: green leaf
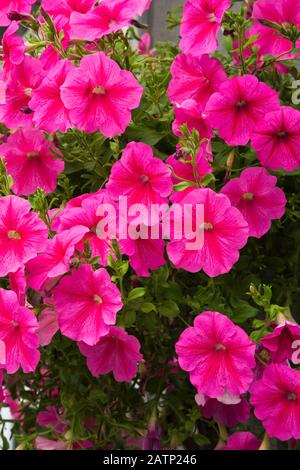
{"x": 183, "y": 185}
{"x": 148, "y": 307}
{"x": 136, "y": 293}
{"x": 169, "y": 309}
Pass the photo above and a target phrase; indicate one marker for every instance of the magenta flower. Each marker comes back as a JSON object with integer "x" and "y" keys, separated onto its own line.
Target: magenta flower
{"x": 144, "y": 254}
{"x": 191, "y": 114}
{"x": 238, "y": 106}
{"x": 85, "y": 214}
{"x": 280, "y": 342}
{"x": 63, "y": 9}
{"x": 9, "y": 6}
{"x": 218, "y": 355}
{"x": 48, "y": 326}
{"x": 13, "y": 50}
{"x": 50, "y": 113}
{"x": 30, "y": 162}
{"x": 225, "y": 233}
{"x": 200, "y": 25}
{"x": 276, "y": 139}
{"x": 18, "y": 330}
{"x": 276, "y": 401}
{"x": 256, "y": 196}
{"x": 22, "y": 234}
{"x": 54, "y": 261}
{"x": 117, "y": 352}
{"x": 24, "y": 78}
{"x": 100, "y": 96}
{"x": 242, "y": 441}
{"x": 195, "y": 78}
{"x": 87, "y": 303}
{"x": 144, "y": 45}
{"x": 228, "y": 415}
{"x": 17, "y": 283}
{"x": 107, "y": 18}
{"x": 140, "y": 176}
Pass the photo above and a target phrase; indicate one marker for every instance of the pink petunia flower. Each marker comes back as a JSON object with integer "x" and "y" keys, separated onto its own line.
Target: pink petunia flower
{"x": 144, "y": 254}
{"x": 54, "y": 261}
{"x": 139, "y": 176}
{"x": 50, "y": 113}
{"x": 200, "y": 25}
{"x": 224, "y": 230}
{"x": 228, "y": 415}
{"x": 100, "y": 96}
{"x": 280, "y": 341}
{"x": 24, "y": 78}
{"x": 281, "y": 13}
{"x": 242, "y": 441}
{"x": 218, "y": 355}
{"x": 30, "y": 162}
{"x": 107, "y": 18}
{"x": 22, "y": 234}
{"x": 236, "y": 108}
{"x": 84, "y": 212}
{"x": 48, "y": 326}
{"x": 64, "y": 8}
{"x": 276, "y": 401}
{"x": 117, "y": 352}
{"x": 195, "y": 78}
{"x": 18, "y": 330}
{"x": 191, "y": 114}
{"x": 276, "y": 139}
{"x": 13, "y": 50}
{"x": 144, "y": 45}
{"x": 256, "y": 196}
{"x": 9, "y": 6}
{"x": 87, "y": 303}
{"x": 42, "y": 443}
{"x": 18, "y": 284}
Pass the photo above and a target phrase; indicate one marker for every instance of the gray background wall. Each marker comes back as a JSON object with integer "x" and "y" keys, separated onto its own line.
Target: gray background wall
{"x": 156, "y": 19}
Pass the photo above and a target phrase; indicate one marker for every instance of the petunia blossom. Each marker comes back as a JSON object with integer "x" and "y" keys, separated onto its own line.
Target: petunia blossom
{"x": 276, "y": 139}
{"x": 30, "y": 161}
{"x": 281, "y": 341}
{"x": 276, "y": 401}
{"x": 24, "y": 78}
{"x": 235, "y": 110}
{"x": 191, "y": 113}
{"x": 107, "y": 18}
{"x": 195, "y": 78}
{"x": 13, "y": 50}
{"x": 64, "y": 8}
{"x": 22, "y": 234}
{"x": 55, "y": 259}
{"x": 228, "y": 415}
{"x": 50, "y": 113}
{"x": 87, "y": 303}
{"x": 223, "y": 232}
{"x": 200, "y": 25}
{"x": 218, "y": 355}
{"x": 100, "y": 95}
{"x": 242, "y": 441}
{"x": 117, "y": 352}
{"x": 9, "y": 6}
{"x": 139, "y": 176}
{"x": 258, "y": 198}
{"x": 18, "y": 330}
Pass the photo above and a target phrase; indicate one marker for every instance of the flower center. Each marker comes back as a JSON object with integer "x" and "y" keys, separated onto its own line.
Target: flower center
{"x": 32, "y": 155}
{"x": 291, "y": 396}
{"x": 241, "y": 104}
{"x": 212, "y": 18}
{"x": 220, "y": 347}
{"x": 15, "y": 324}
{"x": 99, "y": 90}
{"x": 208, "y": 226}
{"x": 98, "y": 299}
{"x": 112, "y": 23}
{"x": 248, "y": 196}
{"x": 145, "y": 178}
{"x": 14, "y": 235}
{"x": 281, "y": 134}
{"x": 28, "y": 92}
